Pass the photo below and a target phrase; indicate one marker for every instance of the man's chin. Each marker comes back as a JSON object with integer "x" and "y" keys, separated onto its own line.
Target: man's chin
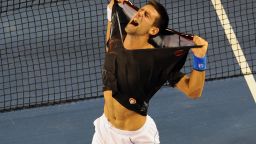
{"x": 129, "y": 28}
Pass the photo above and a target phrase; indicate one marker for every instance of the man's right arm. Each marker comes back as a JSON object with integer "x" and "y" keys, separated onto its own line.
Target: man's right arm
{"x": 109, "y": 7}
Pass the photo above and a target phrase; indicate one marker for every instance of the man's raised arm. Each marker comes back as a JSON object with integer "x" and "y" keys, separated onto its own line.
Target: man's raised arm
{"x": 193, "y": 85}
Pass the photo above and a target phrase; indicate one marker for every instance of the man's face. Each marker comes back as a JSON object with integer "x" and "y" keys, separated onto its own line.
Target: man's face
{"x": 143, "y": 21}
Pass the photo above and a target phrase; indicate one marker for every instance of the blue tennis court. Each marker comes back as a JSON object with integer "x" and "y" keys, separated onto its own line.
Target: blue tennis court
{"x": 225, "y": 114}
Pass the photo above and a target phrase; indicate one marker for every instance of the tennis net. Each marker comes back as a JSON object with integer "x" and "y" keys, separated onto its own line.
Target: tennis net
{"x": 51, "y": 51}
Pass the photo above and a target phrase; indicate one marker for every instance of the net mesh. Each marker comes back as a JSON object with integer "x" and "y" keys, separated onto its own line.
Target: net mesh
{"x": 52, "y": 51}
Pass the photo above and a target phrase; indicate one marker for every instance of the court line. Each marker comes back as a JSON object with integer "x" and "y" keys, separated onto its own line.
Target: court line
{"x": 237, "y": 50}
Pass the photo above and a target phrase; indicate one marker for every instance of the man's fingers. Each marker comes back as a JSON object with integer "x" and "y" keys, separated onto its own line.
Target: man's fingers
{"x": 121, "y": 1}
{"x": 201, "y": 51}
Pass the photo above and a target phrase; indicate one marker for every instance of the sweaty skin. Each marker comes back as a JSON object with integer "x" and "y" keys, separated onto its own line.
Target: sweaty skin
{"x": 137, "y": 37}
{"x": 119, "y": 116}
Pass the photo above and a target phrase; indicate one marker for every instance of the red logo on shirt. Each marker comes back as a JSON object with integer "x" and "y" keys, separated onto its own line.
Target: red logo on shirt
{"x": 179, "y": 53}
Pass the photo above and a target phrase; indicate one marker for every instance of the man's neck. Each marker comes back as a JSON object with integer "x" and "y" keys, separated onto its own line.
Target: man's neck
{"x": 136, "y": 42}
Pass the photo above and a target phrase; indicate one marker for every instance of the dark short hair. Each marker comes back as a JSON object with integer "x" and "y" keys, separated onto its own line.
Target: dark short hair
{"x": 163, "y": 21}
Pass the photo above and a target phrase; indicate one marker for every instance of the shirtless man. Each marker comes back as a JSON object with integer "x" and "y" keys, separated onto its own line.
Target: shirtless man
{"x": 122, "y": 122}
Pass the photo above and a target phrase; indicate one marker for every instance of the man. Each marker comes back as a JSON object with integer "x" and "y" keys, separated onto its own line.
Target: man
{"x": 134, "y": 70}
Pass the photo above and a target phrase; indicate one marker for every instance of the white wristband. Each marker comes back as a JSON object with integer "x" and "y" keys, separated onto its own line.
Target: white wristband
{"x": 109, "y": 14}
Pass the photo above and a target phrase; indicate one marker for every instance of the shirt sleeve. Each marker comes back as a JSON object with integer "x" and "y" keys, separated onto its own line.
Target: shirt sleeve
{"x": 175, "y": 78}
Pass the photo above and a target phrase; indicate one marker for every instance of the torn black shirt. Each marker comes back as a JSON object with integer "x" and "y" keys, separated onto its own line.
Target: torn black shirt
{"x": 134, "y": 76}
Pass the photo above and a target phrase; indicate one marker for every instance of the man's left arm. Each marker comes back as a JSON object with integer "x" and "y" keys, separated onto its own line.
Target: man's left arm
{"x": 193, "y": 85}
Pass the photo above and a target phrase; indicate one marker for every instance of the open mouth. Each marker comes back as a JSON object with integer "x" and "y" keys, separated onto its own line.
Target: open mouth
{"x": 134, "y": 22}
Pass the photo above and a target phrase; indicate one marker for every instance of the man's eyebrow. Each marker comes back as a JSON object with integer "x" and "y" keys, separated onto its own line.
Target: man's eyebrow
{"x": 147, "y": 13}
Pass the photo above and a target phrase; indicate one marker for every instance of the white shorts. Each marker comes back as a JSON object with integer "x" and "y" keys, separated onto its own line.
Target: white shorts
{"x": 105, "y": 133}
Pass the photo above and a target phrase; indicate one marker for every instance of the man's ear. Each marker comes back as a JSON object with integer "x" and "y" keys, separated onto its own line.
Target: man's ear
{"x": 154, "y": 31}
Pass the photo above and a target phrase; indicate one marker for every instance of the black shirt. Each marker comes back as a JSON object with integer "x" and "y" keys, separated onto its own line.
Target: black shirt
{"x": 134, "y": 76}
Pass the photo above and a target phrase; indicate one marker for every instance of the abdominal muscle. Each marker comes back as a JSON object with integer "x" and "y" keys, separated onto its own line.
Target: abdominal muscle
{"x": 119, "y": 116}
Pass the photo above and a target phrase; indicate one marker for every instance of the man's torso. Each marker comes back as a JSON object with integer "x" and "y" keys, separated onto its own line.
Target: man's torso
{"x": 119, "y": 116}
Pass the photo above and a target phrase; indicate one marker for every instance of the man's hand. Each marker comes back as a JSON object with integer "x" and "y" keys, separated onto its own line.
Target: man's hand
{"x": 200, "y": 52}
{"x": 111, "y": 3}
